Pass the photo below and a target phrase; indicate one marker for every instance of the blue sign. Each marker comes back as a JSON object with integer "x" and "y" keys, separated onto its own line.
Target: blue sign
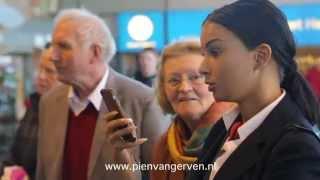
{"x": 140, "y": 30}
{"x": 185, "y": 23}
{"x": 148, "y": 29}
{"x": 304, "y": 22}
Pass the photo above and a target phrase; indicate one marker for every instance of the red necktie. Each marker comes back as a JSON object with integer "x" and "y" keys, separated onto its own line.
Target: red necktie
{"x": 233, "y": 133}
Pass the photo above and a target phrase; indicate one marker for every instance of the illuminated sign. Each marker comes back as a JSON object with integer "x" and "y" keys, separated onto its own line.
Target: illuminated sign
{"x": 138, "y": 30}
{"x": 304, "y": 22}
{"x": 185, "y": 23}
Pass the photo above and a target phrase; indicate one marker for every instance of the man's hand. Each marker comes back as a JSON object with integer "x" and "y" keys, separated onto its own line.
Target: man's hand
{"x": 115, "y": 129}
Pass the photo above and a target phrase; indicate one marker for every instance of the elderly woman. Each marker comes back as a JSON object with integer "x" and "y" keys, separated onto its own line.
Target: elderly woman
{"x": 182, "y": 92}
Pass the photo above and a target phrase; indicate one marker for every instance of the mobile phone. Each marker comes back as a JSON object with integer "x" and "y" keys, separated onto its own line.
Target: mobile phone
{"x": 113, "y": 104}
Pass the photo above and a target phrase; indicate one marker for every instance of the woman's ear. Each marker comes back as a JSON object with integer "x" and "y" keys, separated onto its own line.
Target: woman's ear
{"x": 262, "y": 55}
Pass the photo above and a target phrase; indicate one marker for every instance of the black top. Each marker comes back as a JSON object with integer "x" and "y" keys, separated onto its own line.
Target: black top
{"x": 283, "y": 147}
{"x": 24, "y": 149}
{"x": 145, "y": 80}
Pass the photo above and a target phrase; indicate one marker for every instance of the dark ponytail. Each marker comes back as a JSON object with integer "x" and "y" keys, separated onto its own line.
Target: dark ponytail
{"x": 303, "y": 95}
{"x": 259, "y": 21}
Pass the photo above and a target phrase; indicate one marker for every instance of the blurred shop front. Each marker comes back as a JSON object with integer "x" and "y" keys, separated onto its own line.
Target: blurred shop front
{"x": 136, "y": 31}
{"x": 21, "y": 37}
{"x": 143, "y": 29}
{"x": 10, "y": 18}
{"x": 22, "y": 46}
{"x": 153, "y": 29}
{"x": 304, "y": 21}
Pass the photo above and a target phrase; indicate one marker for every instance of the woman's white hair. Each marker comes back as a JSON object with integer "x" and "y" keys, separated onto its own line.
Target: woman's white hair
{"x": 91, "y": 28}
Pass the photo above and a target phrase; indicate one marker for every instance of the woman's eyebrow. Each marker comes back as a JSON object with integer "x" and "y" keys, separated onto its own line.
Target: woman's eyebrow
{"x": 212, "y": 42}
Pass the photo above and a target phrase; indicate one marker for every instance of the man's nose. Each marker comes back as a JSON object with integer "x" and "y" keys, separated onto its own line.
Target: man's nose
{"x": 55, "y": 56}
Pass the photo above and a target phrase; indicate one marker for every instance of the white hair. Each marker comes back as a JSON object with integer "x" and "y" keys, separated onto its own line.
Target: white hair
{"x": 90, "y": 28}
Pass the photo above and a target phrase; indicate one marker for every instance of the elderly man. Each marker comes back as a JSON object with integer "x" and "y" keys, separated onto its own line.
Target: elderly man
{"x": 72, "y": 137}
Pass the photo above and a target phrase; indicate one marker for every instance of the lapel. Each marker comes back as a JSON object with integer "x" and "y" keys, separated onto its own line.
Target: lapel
{"x": 252, "y": 149}
{"x": 99, "y": 134}
{"x": 244, "y": 157}
{"x": 60, "y": 118}
{"x": 215, "y": 139}
{"x": 211, "y": 149}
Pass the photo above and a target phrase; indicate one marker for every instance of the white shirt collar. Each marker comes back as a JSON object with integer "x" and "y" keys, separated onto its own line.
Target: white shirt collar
{"x": 253, "y": 123}
{"x": 77, "y": 105}
{"x": 230, "y": 116}
{"x": 244, "y": 131}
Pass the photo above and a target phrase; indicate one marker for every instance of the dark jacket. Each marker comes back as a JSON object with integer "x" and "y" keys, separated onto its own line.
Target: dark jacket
{"x": 24, "y": 148}
{"x": 149, "y": 81}
{"x": 283, "y": 147}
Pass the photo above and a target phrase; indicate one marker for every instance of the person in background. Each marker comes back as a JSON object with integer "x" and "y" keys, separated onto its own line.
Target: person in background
{"x": 249, "y": 59}
{"x": 147, "y": 61}
{"x": 182, "y": 92}
{"x": 73, "y": 141}
{"x": 24, "y": 149}
{"x": 313, "y": 77}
